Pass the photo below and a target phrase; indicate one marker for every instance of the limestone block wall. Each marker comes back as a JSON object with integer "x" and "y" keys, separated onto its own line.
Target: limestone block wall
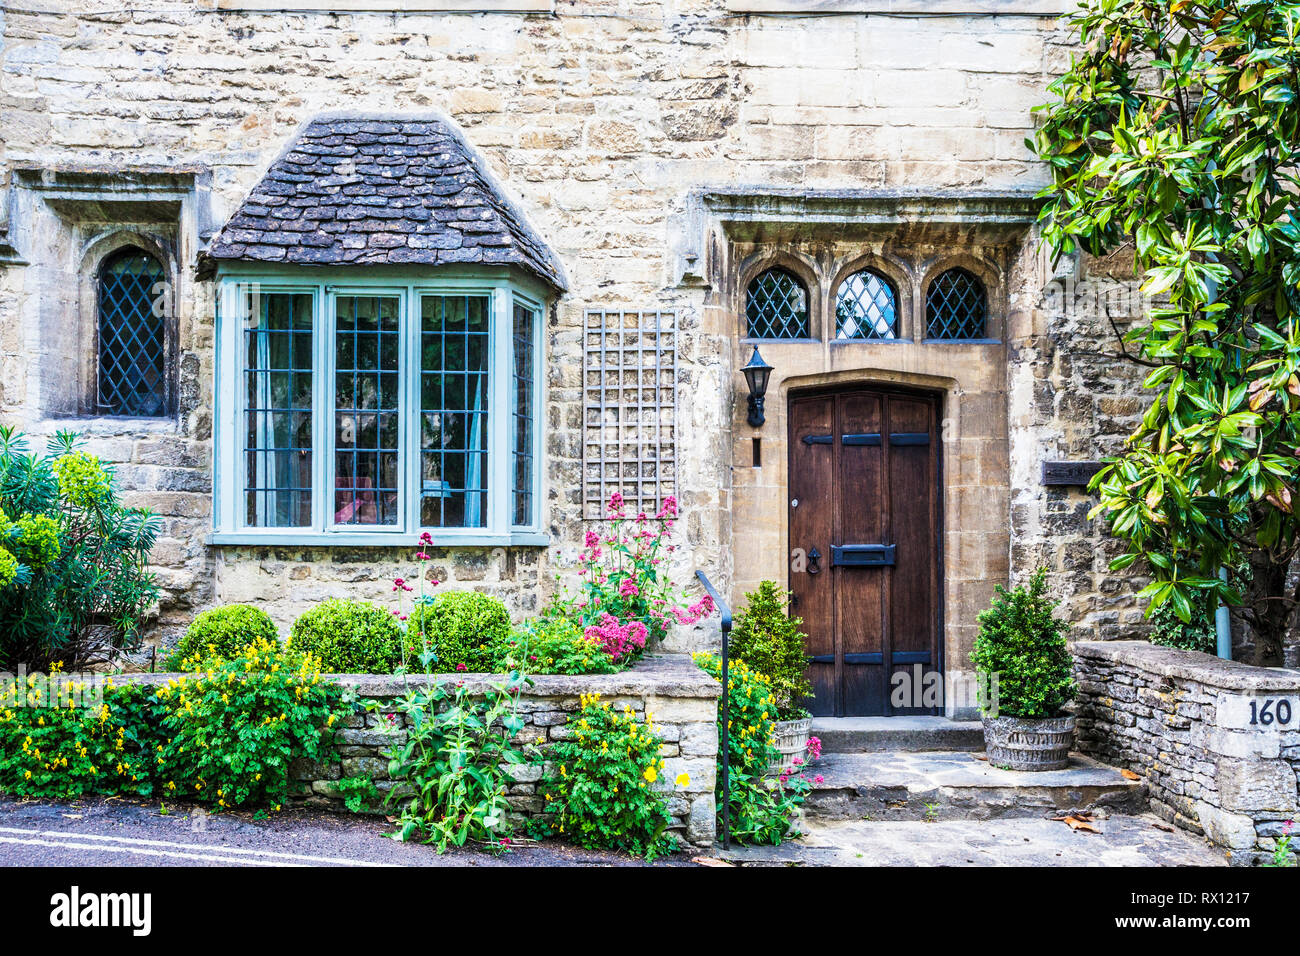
{"x": 600, "y": 119}
{"x": 682, "y": 699}
{"x": 1218, "y": 742}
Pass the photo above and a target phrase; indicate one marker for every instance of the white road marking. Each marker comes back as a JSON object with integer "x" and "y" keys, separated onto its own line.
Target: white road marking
{"x": 142, "y": 851}
{"x": 140, "y": 842}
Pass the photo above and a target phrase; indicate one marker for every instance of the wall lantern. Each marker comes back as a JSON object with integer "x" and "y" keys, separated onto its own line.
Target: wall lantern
{"x": 757, "y": 373}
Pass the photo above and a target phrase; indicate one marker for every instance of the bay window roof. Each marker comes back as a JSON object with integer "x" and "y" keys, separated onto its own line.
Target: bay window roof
{"x": 381, "y": 191}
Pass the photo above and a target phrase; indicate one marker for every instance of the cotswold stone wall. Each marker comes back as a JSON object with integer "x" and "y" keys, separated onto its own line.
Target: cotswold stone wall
{"x": 682, "y": 699}
{"x": 1218, "y": 742}
{"x": 680, "y": 696}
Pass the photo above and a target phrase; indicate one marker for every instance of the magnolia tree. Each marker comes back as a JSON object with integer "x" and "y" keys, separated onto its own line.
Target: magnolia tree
{"x": 1174, "y": 132}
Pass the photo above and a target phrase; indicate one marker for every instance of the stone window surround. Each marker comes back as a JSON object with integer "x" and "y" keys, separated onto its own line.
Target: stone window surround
{"x": 502, "y": 285}
{"x": 911, "y": 278}
{"x": 92, "y": 212}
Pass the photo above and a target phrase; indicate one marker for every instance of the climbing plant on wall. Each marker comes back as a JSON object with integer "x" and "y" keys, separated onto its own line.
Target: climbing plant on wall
{"x": 1175, "y": 132}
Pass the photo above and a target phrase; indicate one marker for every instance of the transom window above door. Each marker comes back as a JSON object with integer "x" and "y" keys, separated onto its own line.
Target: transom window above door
{"x": 373, "y": 411}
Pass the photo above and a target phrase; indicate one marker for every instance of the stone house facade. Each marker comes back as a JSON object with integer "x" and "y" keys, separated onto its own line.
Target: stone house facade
{"x": 577, "y": 220}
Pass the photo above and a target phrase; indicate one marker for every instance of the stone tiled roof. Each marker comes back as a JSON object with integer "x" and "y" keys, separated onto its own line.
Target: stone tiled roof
{"x": 381, "y": 191}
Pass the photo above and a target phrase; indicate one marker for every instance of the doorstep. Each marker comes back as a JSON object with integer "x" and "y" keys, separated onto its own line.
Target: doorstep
{"x": 872, "y": 734}
{"x": 939, "y": 785}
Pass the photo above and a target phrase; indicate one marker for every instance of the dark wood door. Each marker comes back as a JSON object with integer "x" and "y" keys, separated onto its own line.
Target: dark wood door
{"x": 864, "y": 547}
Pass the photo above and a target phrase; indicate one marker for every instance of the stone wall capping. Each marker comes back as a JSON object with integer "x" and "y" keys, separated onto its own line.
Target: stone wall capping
{"x": 1190, "y": 665}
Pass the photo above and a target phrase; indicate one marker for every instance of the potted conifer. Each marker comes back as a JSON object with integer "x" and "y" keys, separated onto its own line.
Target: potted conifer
{"x": 772, "y": 644}
{"x": 1024, "y": 671}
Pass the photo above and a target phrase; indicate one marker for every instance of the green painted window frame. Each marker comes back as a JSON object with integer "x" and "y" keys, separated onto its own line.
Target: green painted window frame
{"x": 502, "y": 287}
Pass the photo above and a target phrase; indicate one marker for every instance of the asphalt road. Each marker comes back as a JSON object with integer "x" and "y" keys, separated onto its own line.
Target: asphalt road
{"x": 96, "y": 832}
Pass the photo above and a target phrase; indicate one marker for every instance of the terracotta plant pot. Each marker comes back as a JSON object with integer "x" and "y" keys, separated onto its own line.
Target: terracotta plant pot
{"x": 792, "y": 741}
{"x": 1017, "y": 743}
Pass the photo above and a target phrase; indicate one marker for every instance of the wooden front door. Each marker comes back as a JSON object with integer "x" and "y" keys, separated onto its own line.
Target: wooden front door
{"x": 864, "y": 547}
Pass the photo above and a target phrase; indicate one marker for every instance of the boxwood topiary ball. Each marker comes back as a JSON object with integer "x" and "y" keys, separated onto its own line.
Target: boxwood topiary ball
{"x": 349, "y": 637}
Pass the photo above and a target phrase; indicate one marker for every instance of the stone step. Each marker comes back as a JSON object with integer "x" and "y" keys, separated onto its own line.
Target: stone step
{"x": 878, "y": 734}
{"x": 950, "y": 785}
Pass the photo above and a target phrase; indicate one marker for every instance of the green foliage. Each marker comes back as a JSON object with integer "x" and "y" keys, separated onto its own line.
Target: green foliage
{"x": 1198, "y": 634}
{"x": 554, "y": 645}
{"x": 1175, "y": 131}
{"x": 234, "y": 728}
{"x": 225, "y": 632}
{"x": 1023, "y": 646}
{"x": 771, "y": 643}
{"x": 762, "y": 809}
{"x": 74, "y": 579}
{"x": 99, "y": 745}
{"x": 349, "y": 637}
{"x": 453, "y": 785}
{"x": 360, "y": 795}
{"x": 466, "y": 630}
{"x": 603, "y": 792}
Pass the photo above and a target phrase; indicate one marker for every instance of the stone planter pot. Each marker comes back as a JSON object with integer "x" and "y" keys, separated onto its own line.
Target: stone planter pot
{"x": 1020, "y": 744}
{"x": 792, "y": 741}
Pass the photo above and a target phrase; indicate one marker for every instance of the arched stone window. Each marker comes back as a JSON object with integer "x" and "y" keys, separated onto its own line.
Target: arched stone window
{"x": 131, "y": 332}
{"x": 956, "y": 306}
{"x": 866, "y": 307}
{"x": 776, "y": 306}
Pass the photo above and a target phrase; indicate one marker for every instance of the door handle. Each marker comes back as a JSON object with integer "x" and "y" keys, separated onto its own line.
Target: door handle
{"x": 814, "y": 561}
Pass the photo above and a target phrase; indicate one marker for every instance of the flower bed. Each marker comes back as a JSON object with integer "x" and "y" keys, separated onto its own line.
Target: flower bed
{"x": 680, "y": 697}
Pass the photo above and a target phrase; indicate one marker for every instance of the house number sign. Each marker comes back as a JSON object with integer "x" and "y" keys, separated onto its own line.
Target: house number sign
{"x": 1262, "y": 712}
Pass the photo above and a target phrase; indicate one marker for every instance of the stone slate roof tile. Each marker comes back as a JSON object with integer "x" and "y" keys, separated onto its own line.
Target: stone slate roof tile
{"x": 381, "y": 191}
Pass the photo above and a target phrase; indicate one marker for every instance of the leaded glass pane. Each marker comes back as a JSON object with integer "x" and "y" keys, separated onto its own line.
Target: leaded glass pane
{"x": 524, "y": 323}
{"x": 956, "y": 307}
{"x": 776, "y": 306}
{"x": 278, "y": 411}
{"x": 131, "y": 335}
{"x": 366, "y": 390}
{"x": 865, "y": 308}
{"x": 453, "y": 411}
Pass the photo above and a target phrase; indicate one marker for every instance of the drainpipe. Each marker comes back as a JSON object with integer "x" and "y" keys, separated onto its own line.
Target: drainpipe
{"x": 1223, "y": 625}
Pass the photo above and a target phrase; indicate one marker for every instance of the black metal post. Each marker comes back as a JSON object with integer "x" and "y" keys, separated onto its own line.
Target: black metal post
{"x": 724, "y": 738}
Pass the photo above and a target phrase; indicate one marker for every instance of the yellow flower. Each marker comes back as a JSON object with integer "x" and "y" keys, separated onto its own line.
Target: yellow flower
{"x": 651, "y": 774}
{"x": 683, "y": 780}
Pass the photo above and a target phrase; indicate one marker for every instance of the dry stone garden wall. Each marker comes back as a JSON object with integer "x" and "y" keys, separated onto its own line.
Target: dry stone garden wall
{"x": 1217, "y": 741}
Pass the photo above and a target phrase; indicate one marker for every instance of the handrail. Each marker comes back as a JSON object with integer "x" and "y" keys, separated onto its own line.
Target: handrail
{"x": 724, "y": 741}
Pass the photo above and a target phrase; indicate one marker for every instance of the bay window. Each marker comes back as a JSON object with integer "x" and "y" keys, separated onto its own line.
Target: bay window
{"x": 371, "y": 411}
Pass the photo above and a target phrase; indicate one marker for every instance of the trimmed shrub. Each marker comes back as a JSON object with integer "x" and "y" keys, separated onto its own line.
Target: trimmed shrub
{"x": 225, "y": 632}
{"x": 1023, "y": 646}
{"x": 349, "y": 637}
{"x": 771, "y": 643}
{"x": 467, "y": 630}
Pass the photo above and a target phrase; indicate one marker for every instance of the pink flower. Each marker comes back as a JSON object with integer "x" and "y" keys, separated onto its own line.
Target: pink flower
{"x": 426, "y": 538}
{"x": 814, "y": 748}
{"x": 669, "y": 510}
{"x": 421, "y": 556}
{"x": 593, "y": 539}
{"x": 461, "y": 667}
{"x": 819, "y": 779}
{"x": 628, "y": 588}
